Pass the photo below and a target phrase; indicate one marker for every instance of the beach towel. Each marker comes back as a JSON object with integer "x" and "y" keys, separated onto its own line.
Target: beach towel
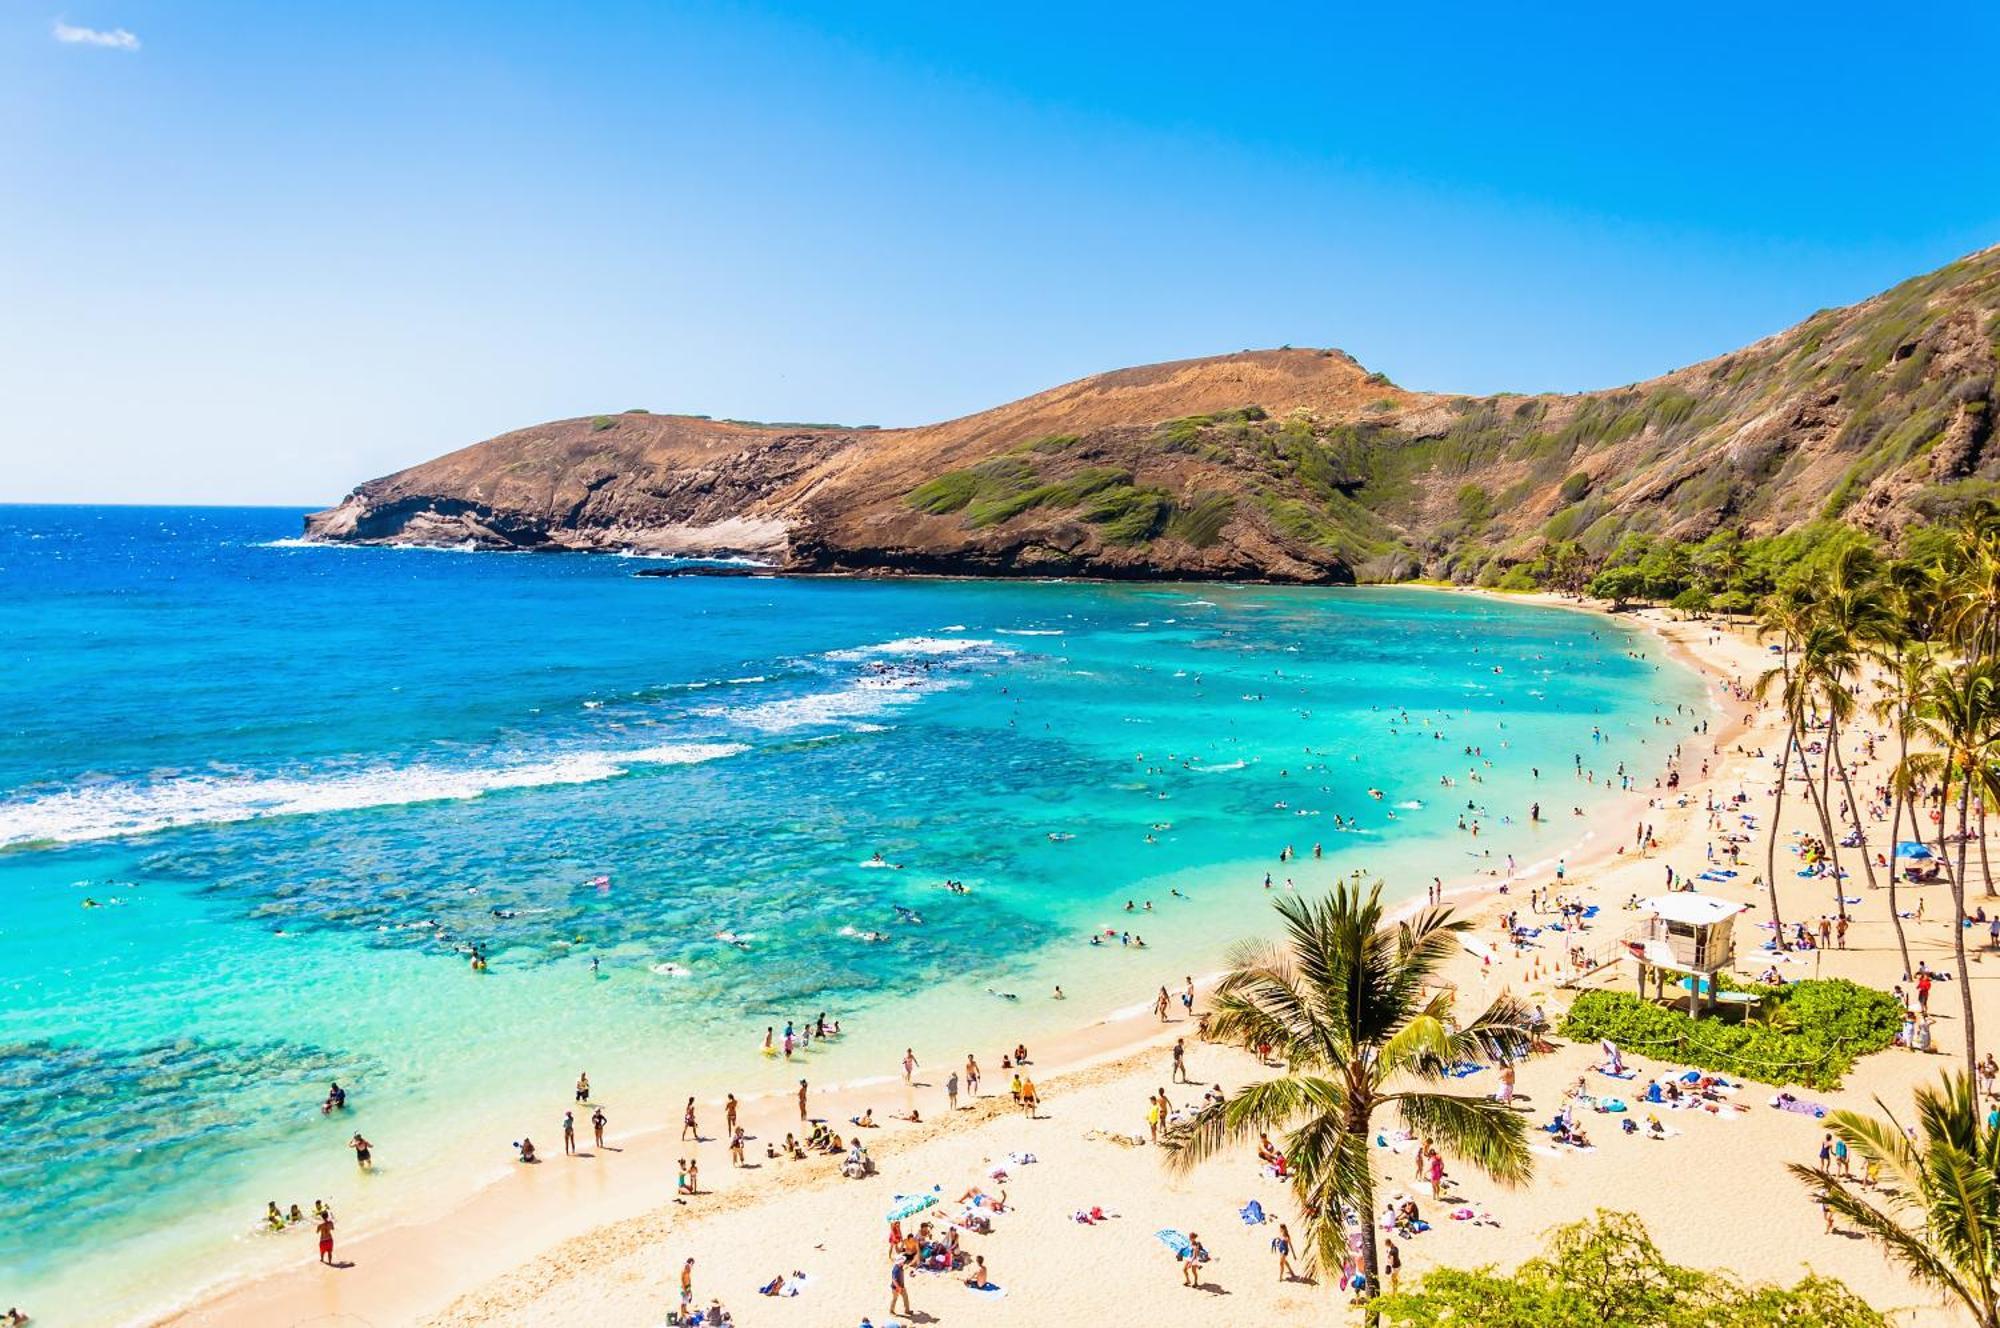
{"x": 1462, "y": 1071}
{"x": 1627, "y": 1073}
{"x": 1175, "y": 1242}
{"x": 1252, "y": 1214}
{"x": 1021, "y": 1159}
{"x": 1799, "y": 1106}
{"x": 990, "y": 1291}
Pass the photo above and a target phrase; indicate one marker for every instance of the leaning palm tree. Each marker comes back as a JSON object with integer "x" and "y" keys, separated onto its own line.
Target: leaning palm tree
{"x": 1347, "y": 1002}
{"x": 1958, "y": 715}
{"x": 1940, "y": 1216}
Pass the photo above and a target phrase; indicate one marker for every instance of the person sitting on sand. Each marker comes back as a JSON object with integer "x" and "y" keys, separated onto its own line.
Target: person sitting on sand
{"x": 527, "y": 1147}
{"x": 866, "y": 1120}
{"x": 979, "y": 1281}
{"x": 15, "y": 1318}
{"x": 774, "y": 1287}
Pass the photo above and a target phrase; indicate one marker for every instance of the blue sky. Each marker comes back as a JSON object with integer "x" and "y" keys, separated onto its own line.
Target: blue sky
{"x": 259, "y": 252}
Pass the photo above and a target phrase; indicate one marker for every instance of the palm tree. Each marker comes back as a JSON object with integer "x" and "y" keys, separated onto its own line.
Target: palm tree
{"x": 1784, "y": 616}
{"x": 1958, "y": 714}
{"x": 1941, "y": 1219}
{"x": 1906, "y": 672}
{"x": 1347, "y": 1002}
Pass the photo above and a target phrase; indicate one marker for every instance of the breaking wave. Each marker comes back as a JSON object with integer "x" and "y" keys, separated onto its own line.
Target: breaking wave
{"x": 119, "y": 808}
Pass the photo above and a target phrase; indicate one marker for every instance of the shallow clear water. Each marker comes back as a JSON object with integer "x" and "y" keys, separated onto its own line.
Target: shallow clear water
{"x": 256, "y": 800}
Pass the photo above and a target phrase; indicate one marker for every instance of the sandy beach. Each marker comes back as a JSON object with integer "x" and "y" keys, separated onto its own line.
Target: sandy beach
{"x": 601, "y": 1238}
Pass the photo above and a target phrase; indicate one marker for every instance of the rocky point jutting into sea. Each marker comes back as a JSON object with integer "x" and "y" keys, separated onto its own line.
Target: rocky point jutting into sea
{"x": 1279, "y": 465}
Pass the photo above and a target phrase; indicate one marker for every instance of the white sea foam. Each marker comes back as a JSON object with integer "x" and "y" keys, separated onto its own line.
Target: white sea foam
{"x": 116, "y": 808}
{"x": 868, "y": 697}
{"x": 1029, "y": 631}
{"x": 297, "y": 542}
{"x": 913, "y": 645}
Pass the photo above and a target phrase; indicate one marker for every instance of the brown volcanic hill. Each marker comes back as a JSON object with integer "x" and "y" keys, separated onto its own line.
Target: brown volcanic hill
{"x": 1286, "y": 464}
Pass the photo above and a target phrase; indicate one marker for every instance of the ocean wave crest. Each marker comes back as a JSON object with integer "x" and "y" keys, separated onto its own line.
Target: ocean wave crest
{"x": 117, "y": 809}
{"x": 917, "y": 645}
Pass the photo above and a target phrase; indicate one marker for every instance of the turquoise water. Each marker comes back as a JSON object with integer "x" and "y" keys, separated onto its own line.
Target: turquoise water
{"x": 296, "y": 783}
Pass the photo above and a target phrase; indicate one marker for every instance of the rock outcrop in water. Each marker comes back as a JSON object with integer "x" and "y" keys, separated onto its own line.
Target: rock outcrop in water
{"x": 1284, "y": 465}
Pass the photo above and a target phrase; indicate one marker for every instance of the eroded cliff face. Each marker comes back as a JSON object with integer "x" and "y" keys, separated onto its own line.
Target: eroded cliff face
{"x": 1287, "y": 465}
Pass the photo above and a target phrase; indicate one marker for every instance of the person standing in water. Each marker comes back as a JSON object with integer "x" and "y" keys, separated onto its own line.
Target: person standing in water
{"x": 569, "y": 1133}
{"x": 364, "y": 1152}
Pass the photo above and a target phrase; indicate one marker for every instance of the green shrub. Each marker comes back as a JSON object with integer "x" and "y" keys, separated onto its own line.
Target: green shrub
{"x": 601, "y": 423}
{"x": 1475, "y": 505}
{"x": 1832, "y": 1023}
{"x": 1575, "y": 486}
{"x": 1608, "y": 1273}
{"x": 1200, "y": 522}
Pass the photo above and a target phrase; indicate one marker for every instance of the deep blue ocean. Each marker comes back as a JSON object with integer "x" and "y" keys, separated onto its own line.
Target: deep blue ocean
{"x": 257, "y": 800}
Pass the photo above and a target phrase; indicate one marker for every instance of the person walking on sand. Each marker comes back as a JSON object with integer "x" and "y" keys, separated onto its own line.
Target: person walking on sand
{"x": 597, "y": 1123}
{"x": 951, "y": 1091}
{"x": 729, "y": 1114}
{"x": 1191, "y": 1261}
{"x": 899, "y": 1288}
{"x": 1180, "y": 1061}
{"x": 688, "y": 1126}
{"x": 1030, "y": 1100}
{"x": 736, "y": 1148}
{"x": 802, "y": 1099}
{"x": 971, "y": 1076}
{"x": 1283, "y": 1246}
{"x": 687, "y": 1285}
{"x": 364, "y": 1152}
{"x": 1392, "y": 1264}
{"x": 326, "y": 1238}
{"x": 909, "y": 1063}
{"x": 569, "y": 1133}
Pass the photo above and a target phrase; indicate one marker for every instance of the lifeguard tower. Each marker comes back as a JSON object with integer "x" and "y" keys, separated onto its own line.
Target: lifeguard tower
{"x": 1688, "y": 934}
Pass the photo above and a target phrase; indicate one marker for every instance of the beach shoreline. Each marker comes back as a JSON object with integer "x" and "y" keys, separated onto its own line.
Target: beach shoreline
{"x": 518, "y": 1223}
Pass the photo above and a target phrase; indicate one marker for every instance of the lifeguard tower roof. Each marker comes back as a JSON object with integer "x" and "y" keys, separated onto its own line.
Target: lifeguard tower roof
{"x": 1692, "y": 909}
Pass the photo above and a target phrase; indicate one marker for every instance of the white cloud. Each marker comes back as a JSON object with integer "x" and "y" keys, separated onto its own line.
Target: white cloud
{"x": 118, "y": 39}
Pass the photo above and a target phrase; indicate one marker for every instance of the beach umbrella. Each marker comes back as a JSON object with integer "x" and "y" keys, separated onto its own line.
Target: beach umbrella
{"x": 1910, "y": 848}
{"x": 909, "y": 1205}
{"x": 1176, "y": 1242}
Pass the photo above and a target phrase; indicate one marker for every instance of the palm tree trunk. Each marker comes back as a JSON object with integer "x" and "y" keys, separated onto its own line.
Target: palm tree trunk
{"x": 1771, "y": 843}
{"x": 1985, "y": 867}
{"x": 1854, "y": 810}
{"x": 1895, "y": 831}
{"x": 1371, "y": 1255}
{"x": 1958, "y": 935}
{"x": 1825, "y": 825}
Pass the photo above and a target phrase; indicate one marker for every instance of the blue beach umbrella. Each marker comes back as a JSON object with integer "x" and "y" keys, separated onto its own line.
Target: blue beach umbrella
{"x": 1176, "y": 1242}
{"x": 909, "y": 1205}
{"x": 1910, "y": 848}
